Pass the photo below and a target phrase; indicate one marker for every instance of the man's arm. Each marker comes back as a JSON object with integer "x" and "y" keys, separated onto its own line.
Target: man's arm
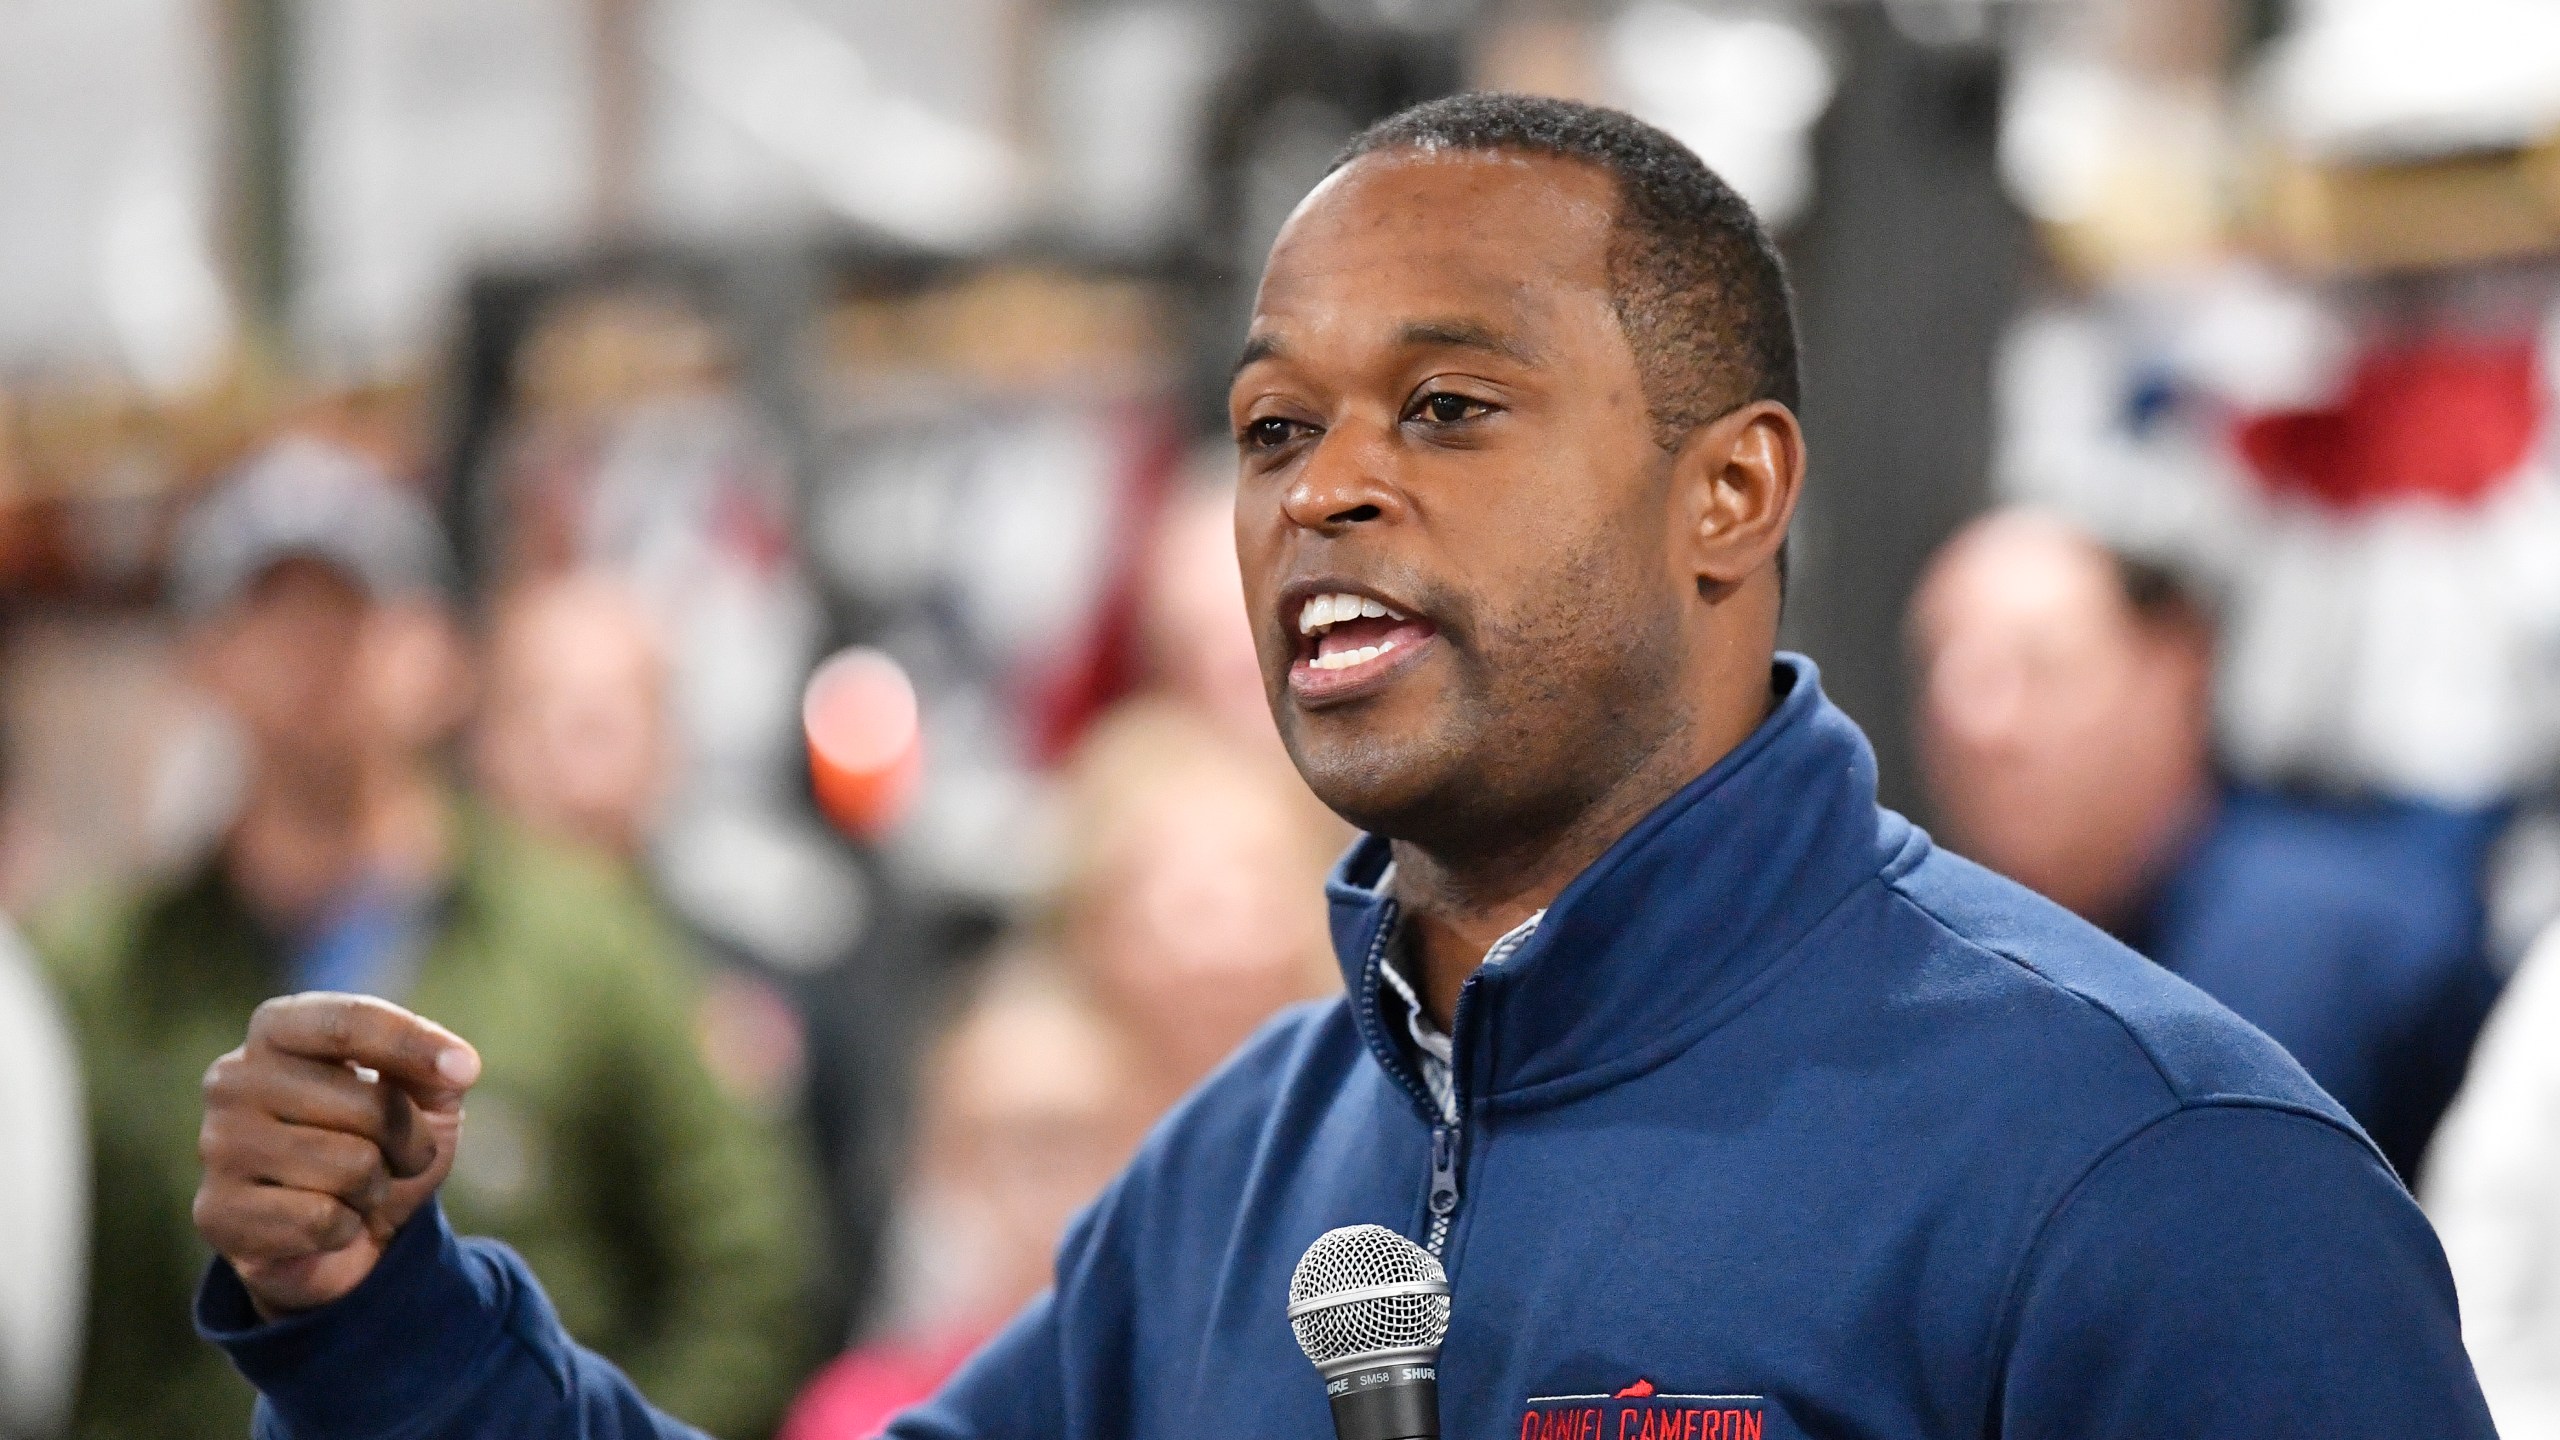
{"x": 451, "y": 1337}
{"x": 343, "y": 1295}
{"x": 444, "y": 1337}
{"x": 340, "y": 1292}
{"x": 2237, "y": 1270}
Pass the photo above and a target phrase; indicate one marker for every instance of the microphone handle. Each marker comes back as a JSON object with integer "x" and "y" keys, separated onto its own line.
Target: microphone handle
{"x": 1399, "y": 1401}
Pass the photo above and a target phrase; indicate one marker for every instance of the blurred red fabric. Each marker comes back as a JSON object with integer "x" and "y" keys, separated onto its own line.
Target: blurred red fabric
{"x": 856, "y": 1396}
{"x": 2443, "y": 417}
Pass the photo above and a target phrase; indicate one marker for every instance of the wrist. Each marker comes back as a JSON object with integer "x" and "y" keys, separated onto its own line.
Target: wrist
{"x": 395, "y": 1345}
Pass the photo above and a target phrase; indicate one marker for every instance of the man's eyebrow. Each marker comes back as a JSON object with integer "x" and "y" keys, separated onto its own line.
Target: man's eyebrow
{"x": 1413, "y": 335}
{"x": 1260, "y": 347}
{"x": 1462, "y": 335}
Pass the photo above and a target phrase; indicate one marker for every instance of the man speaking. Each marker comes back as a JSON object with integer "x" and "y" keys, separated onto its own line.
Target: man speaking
{"x": 1730, "y": 1106}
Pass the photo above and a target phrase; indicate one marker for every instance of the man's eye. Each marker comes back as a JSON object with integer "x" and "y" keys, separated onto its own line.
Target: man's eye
{"x": 1440, "y": 407}
{"x": 1269, "y": 433}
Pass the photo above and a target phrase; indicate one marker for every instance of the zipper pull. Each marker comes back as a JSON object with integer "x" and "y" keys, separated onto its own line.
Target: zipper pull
{"x": 1444, "y": 1171}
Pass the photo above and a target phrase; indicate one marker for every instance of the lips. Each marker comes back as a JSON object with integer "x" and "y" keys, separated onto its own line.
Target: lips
{"x": 1350, "y": 642}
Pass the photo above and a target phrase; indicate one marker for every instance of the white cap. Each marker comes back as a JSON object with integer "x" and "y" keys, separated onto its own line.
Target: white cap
{"x": 303, "y": 498}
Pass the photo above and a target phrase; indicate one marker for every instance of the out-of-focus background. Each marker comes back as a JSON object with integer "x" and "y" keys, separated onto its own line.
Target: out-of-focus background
{"x": 443, "y": 442}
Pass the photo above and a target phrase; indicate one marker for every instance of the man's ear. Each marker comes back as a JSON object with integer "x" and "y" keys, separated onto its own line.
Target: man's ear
{"x": 1735, "y": 481}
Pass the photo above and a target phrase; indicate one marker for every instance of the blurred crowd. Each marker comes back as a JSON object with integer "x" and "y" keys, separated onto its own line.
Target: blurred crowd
{"x": 2218, "y": 601}
{"x": 459, "y": 819}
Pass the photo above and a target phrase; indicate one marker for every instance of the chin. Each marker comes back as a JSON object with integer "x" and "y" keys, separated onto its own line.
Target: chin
{"x": 1403, "y": 791}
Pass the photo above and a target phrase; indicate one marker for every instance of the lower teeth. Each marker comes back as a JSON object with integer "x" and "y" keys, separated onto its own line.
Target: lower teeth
{"x": 1345, "y": 659}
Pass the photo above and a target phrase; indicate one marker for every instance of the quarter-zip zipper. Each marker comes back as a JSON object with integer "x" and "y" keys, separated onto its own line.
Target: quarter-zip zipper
{"x": 1449, "y": 1138}
{"x": 1443, "y": 1201}
{"x": 1444, "y": 1186}
{"x": 1448, "y": 1126}
{"x": 1449, "y": 1135}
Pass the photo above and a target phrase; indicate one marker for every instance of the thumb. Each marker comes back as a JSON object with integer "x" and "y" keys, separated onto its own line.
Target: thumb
{"x": 418, "y": 1151}
{"x": 422, "y": 1113}
{"x": 409, "y": 1144}
{"x": 422, "y": 1108}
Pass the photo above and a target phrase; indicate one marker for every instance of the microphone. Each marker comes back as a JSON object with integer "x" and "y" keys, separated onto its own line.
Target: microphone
{"x": 1370, "y": 1308}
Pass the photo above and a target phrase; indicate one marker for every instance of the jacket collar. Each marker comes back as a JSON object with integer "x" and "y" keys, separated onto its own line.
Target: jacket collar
{"x": 1664, "y": 935}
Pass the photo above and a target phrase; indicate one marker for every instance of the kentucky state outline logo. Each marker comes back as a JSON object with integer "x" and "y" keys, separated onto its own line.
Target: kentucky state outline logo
{"x": 1641, "y": 1412}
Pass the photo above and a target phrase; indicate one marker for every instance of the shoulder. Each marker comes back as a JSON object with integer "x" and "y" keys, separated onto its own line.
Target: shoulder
{"x": 86, "y": 937}
{"x": 562, "y": 961}
{"x": 1301, "y": 1099}
{"x": 2270, "y": 1247}
{"x": 2047, "y": 975}
{"x": 563, "y": 905}
{"x": 2391, "y": 874}
{"x": 2145, "y": 1120}
{"x": 2358, "y": 838}
{"x": 93, "y": 944}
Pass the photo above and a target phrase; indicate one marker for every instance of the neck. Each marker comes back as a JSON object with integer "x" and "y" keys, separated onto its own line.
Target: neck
{"x": 1457, "y": 904}
{"x": 295, "y": 849}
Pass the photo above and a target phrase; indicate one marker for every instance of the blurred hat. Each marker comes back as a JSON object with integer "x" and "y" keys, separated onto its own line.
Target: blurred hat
{"x": 303, "y": 498}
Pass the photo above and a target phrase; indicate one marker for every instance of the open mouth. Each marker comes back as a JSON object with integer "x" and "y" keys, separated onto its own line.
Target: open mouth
{"x": 1346, "y": 640}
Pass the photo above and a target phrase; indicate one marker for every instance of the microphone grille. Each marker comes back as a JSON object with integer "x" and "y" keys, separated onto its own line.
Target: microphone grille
{"x": 1358, "y": 1258}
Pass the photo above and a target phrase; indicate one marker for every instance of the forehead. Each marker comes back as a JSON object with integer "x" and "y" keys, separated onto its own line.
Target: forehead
{"x": 298, "y": 582}
{"x": 2018, "y": 574}
{"x": 1407, "y": 231}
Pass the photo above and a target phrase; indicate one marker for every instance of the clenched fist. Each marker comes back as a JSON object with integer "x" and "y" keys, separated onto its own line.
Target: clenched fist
{"x": 329, "y": 1126}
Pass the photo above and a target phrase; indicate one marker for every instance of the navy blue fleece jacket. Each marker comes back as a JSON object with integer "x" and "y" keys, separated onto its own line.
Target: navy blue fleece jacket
{"x": 1784, "y": 1123}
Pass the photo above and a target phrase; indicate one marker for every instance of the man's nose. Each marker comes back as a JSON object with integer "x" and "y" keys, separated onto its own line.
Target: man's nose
{"x": 1347, "y": 480}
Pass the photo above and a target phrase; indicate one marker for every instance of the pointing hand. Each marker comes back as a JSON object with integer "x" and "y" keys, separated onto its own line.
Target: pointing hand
{"x": 326, "y": 1130}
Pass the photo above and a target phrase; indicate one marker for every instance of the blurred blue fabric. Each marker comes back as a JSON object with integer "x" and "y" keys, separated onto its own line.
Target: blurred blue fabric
{"x": 2354, "y": 933}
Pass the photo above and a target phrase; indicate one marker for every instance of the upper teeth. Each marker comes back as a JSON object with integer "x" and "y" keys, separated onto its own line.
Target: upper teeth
{"x": 1326, "y": 610}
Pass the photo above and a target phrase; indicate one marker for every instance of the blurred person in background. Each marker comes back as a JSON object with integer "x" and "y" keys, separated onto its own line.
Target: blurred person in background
{"x": 572, "y": 736}
{"x": 574, "y": 739}
{"x": 1029, "y": 1106}
{"x": 1196, "y": 640}
{"x": 44, "y": 1174}
{"x": 2065, "y": 725}
{"x": 672, "y": 1222}
{"x": 2492, "y": 1188}
{"x": 1192, "y": 901}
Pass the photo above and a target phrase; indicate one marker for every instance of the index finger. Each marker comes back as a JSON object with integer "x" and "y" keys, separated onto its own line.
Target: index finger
{"x": 431, "y": 1063}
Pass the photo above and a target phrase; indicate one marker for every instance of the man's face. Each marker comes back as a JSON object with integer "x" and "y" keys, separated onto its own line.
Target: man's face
{"x": 1452, "y": 516}
{"x": 2064, "y": 737}
{"x": 573, "y": 736}
{"x": 282, "y": 659}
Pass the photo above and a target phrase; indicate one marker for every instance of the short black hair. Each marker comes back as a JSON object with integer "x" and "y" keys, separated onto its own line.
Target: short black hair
{"x": 1697, "y": 283}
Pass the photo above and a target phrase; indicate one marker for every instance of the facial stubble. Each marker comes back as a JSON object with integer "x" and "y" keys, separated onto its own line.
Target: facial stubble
{"x": 1549, "y": 705}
